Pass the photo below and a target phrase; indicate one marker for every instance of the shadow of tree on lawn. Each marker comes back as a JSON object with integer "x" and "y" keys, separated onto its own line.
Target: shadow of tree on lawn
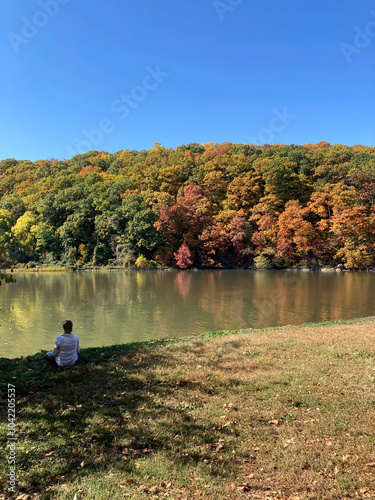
{"x": 103, "y": 414}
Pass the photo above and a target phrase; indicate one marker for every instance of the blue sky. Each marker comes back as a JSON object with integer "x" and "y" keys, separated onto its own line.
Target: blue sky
{"x": 84, "y": 74}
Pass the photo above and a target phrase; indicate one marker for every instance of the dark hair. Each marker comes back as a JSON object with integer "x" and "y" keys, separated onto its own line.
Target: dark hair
{"x": 68, "y": 326}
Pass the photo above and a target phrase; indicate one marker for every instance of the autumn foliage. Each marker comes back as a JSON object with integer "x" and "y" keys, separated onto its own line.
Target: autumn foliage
{"x": 209, "y": 205}
{"x": 183, "y": 257}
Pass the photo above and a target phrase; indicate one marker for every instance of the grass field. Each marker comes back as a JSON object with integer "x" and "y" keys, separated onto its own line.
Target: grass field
{"x": 268, "y": 414}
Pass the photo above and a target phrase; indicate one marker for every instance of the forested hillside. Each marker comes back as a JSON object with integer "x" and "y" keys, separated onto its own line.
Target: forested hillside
{"x": 209, "y": 205}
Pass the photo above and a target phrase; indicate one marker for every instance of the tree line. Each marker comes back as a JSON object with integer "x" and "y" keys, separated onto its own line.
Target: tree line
{"x": 200, "y": 205}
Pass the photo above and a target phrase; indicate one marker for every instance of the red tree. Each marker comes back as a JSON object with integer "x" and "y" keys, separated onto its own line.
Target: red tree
{"x": 183, "y": 257}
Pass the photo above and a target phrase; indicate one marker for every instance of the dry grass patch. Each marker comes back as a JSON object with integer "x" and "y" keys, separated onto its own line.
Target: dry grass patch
{"x": 284, "y": 413}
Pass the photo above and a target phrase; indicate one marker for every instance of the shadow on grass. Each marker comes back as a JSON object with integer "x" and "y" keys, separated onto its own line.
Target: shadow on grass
{"x": 104, "y": 414}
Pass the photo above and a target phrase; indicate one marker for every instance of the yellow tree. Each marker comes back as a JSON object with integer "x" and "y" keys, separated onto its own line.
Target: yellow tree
{"x": 265, "y": 217}
{"x": 244, "y": 192}
{"x": 292, "y": 225}
{"x": 354, "y": 230}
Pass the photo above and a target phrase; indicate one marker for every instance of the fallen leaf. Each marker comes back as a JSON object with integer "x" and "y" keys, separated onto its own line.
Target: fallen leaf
{"x": 50, "y": 453}
{"x": 231, "y": 422}
{"x": 273, "y": 422}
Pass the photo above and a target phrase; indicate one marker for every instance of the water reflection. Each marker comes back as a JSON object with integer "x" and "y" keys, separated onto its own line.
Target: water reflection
{"x": 183, "y": 283}
{"x": 116, "y": 307}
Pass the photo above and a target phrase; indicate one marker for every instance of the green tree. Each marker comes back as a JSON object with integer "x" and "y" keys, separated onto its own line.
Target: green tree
{"x": 6, "y": 222}
{"x": 76, "y": 229}
{"x": 136, "y": 225}
{"x": 44, "y": 238}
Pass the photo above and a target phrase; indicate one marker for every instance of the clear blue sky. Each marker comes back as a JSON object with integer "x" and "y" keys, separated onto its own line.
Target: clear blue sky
{"x": 124, "y": 74}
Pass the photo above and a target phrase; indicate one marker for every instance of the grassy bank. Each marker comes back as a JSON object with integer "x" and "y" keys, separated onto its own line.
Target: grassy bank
{"x": 276, "y": 413}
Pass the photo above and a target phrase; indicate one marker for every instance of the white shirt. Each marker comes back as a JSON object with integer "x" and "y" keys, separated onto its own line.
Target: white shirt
{"x": 66, "y": 349}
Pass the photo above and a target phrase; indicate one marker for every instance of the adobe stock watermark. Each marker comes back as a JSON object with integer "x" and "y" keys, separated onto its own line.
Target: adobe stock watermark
{"x": 222, "y": 7}
{"x": 277, "y": 124}
{"x": 122, "y": 106}
{"x": 362, "y": 39}
{"x": 11, "y": 439}
{"x": 30, "y": 27}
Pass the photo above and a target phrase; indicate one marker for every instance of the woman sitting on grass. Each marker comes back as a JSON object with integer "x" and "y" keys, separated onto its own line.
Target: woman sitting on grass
{"x": 66, "y": 349}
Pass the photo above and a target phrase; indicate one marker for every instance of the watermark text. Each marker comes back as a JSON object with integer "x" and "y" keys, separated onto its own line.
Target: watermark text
{"x": 222, "y": 7}
{"x": 361, "y": 40}
{"x": 280, "y": 120}
{"x": 122, "y": 107}
{"x": 30, "y": 27}
{"x": 11, "y": 439}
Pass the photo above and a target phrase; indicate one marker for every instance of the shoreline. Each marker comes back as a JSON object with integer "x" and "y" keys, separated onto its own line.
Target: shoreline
{"x": 338, "y": 269}
{"x": 134, "y": 346}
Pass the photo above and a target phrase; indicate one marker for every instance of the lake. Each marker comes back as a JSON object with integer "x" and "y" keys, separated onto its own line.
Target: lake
{"x": 121, "y": 306}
